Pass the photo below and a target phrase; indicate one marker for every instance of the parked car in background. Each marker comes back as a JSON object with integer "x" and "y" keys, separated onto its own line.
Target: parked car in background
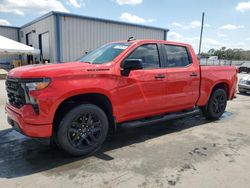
{"x": 245, "y": 67}
{"x": 6, "y": 65}
{"x": 244, "y": 84}
{"x": 213, "y": 58}
{"x": 127, "y": 83}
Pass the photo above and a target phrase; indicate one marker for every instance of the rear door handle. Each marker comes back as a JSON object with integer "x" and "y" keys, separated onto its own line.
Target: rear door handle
{"x": 160, "y": 76}
{"x": 193, "y": 74}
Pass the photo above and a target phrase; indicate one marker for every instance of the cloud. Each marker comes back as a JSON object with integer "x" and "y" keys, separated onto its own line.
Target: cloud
{"x": 151, "y": 20}
{"x": 231, "y": 27}
{"x": 129, "y": 2}
{"x": 221, "y": 35}
{"x": 175, "y": 36}
{"x": 176, "y": 24}
{"x": 127, "y": 17}
{"x": 190, "y": 25}
{"x": 240, "y": 45}
{"x": 76, "y": 3}
{"x": 207, "y": 43}
{"x": 4, "y": 22}
{"x": 31, "y": 6}
{"x": 243, "y": 6}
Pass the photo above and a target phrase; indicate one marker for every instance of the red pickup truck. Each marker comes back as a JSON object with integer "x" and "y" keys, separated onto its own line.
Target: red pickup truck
{"x": 126, "y": 83}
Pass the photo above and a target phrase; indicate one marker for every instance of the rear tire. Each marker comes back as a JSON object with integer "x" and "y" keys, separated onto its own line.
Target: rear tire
{"x": 216, "y": 105}
{"x": 83, "y": 130}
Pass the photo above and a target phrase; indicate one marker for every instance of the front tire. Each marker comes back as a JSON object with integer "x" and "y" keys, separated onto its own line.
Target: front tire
{"x": 216, "y": 105}
{"x": 83, "y": 130}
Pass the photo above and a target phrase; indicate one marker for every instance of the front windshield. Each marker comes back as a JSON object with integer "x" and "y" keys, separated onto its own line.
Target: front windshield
{"x": 104, "y": 53}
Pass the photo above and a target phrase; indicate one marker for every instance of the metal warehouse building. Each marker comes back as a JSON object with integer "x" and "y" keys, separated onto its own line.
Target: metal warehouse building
{"x": 64, "y": 37}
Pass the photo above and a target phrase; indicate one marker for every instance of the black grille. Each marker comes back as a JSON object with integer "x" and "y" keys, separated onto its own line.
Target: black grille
{"x": 248, "y": 82}
{"x": 15, "y": 93}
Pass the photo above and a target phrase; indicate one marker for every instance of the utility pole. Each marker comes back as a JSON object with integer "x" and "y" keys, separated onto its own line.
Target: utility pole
{"x": 202, "y": 25}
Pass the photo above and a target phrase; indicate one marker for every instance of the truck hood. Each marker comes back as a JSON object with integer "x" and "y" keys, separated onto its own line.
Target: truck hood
{"x": 56, "y": 70}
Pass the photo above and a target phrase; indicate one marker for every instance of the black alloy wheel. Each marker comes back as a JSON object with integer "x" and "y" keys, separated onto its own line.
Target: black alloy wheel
{"x": 219, "y": 103}
{"x": 82, "y": 130}
{"x": 216, "y": 105}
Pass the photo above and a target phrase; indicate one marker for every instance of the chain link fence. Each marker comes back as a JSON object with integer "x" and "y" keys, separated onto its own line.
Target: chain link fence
{"x": 220, "y": 62}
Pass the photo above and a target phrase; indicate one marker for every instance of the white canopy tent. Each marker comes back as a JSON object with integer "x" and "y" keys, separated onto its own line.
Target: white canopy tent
{"x": 11, "y": 47}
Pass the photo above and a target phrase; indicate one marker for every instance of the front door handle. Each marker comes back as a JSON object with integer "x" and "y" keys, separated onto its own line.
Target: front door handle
{"x": 193, "y": 74}
{"x": 160, "y": 76}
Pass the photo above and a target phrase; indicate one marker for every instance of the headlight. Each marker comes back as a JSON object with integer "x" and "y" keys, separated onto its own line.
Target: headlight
{"x": 242, "y": 81}
{"x": 39, "y": 84}
{"x": 34, "y": 85}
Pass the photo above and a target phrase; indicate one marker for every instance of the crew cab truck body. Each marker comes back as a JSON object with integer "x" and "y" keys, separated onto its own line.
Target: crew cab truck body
{"x": 124, "y": 83}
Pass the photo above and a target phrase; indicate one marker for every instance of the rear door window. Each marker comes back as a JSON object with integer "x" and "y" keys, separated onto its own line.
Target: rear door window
{"x": 176, "y": 56}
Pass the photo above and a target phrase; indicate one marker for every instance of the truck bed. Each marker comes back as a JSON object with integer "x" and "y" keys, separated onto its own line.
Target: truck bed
{"x": 211, "y": 76}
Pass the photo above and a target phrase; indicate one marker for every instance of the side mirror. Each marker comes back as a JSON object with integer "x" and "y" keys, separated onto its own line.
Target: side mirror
{"x": 130, "y": 64}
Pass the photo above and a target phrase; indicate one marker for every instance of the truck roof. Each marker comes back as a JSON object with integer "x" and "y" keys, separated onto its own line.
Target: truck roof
{"x": 155, "y": 41}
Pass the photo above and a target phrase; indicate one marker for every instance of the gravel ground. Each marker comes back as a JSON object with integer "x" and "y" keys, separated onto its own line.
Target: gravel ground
{"x": 190, "y": 152}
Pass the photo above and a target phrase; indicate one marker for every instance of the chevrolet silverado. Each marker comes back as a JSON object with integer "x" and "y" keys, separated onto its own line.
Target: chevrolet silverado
{"x": 126, "y": 83}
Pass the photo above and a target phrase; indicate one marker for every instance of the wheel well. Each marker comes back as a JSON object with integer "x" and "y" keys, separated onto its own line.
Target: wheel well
{"x": 99, "y": 100}
{"x": 221, "y": 86}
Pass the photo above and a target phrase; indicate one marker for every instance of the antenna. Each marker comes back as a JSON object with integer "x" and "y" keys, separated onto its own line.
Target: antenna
{"x": 202, "y": 24}
{"x": 131, "y": 38}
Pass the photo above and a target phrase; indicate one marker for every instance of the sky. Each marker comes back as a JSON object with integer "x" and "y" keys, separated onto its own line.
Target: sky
{"x": 227, "y": 22}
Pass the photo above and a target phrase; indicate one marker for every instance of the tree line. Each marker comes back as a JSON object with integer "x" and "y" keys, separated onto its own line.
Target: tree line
{"x": 228, "y": 54}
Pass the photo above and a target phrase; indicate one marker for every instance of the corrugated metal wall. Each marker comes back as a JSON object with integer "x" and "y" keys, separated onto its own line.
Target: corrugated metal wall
{"x": 11, "y": 33}
{"x": 34, "y": 29}
{"x": 79, "y": 35}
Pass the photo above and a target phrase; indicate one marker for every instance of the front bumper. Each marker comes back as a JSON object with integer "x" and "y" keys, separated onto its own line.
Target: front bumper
{"x": 32, "y": 130}
{"x": 243, "y": 87}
